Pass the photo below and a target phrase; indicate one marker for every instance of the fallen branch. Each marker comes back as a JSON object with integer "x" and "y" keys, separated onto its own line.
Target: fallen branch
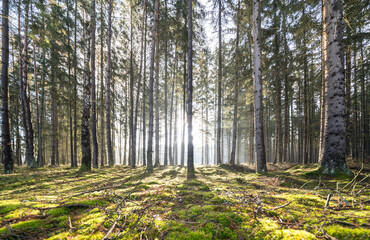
{"x": 327, "y": 200}
{"x": 286, "y": 204}
{"x": 112, "y": 227}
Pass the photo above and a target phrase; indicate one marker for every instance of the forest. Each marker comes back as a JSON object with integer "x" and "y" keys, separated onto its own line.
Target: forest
{"x": 185, "y": 119}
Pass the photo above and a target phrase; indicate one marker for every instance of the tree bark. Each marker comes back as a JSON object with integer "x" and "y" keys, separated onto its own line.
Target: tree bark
{"x": 102, "y": 123}
{"x": 333, "y": 159}
{"x": 219, "y": 95}
{"x": 236, "y": 91}
{"x": 85, "y": 122}
{"x": 151, "y": 80}
{"x": 5, "y": 125}
{"x": 191, "y": 170}
{"x": 108, "y": 90}
{"x": 258, "y": 110}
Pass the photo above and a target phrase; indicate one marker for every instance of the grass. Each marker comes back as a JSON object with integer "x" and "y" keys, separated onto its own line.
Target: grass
{"x": 223, "y": 202}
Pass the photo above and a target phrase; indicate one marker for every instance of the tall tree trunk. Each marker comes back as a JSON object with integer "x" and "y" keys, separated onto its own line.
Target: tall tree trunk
{"x": 138, "y": 86}
{"x": 165, "y": 158}
{"x": 258, "y": 110}
{"x": 219, "y": 96}
{"x": 191, "y": 171}
{"x": 305, "y": 97}
{"x": 236, "y": 91}
{"x": 333, "y": 159}
{"x": 144, "y": 93}
{"x": 5, "y": 125}
{"x": 102, "y": 123}
{"x": 170, "y": 150}
{"x": 348, "y": 100}
{"x": 108, "y": 90}
{"x": 85, "y": 122}
{"x": 183, "y": 114}
{"x": 151, "y": 80}
{"x": 278, "y": 143}
{"x": 30, "y": 158}
{"x": 175, "y": 145}
{"x": 157, "y": 163}
{"x": 286, "y": 89}
{"x": 93, "y": 88}
{"x": 251, "y": 135}
{"x": 75, "y": 89}
{"x": 132, "y": 137}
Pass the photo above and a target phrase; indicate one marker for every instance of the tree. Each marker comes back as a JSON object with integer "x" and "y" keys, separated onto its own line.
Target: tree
{"x": 151, "y": 89}
{"x": 236, "y": 88}
{"x": 258, "y": 111}
{"x": 93, "y": 97}
{"x": 108, "y": 90}
{"x": 333, "y": 157}
{"x": 191, "y": 171}
{"x": 5, "y": 126}
{"x": 219, "y": 96}
{"x": 85, "y": 123}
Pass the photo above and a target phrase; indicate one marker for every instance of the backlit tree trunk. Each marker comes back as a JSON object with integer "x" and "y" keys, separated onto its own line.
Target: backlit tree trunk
{"x": 258, "y": 110}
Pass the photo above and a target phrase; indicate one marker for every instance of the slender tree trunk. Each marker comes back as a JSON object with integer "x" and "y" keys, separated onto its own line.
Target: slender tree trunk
{"x": 75, "y": 90}
{"x": 183, "y": 115}
{"x": 132, "y": 137}
{"x": 157, "y": 130}
{"x": 333, "y": 159}
{"x": 348, "y": 100}
{"x": 93, "y": 88}
{"x": 108, "y": 90}
{"x": 286, "y": 89}
{"x": 151, "y": 80}
{"x": 165, "y": 158}
{"x": 219, "y": 96}
{"x": 191, "y": 171}
{"x": 236, "y": 92}
{"x": 258, "y": 110}
{"x": 102, "y": 124}
{"x": 138, "y": 87}
{"x": 171, "y": 112}
{"x": 5, "y": 125}
{"x": 251, "y": 135}
{"x": 144, "y": 93}
{"x": 175, "y": 148}
{"x": 85, "y": 123}
{"x": 30, "y": 159}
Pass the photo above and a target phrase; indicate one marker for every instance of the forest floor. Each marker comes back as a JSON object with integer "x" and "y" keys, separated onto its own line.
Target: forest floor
{"x": 222, "y": 202}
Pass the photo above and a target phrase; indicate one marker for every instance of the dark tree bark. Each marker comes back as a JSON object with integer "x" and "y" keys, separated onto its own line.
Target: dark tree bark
{"x": 85, "y": 122}
{"x": 30, "y": 158}
{"x": 286, "y": 89}
{"x": 151, "y": 80}
{"x": 132, "y": 137}
{"x": 170, "y": 150}
{"x": 258, "y": 110}
{"x": 5, "y": 125}
{"x": 236, "y": 90}
{"x": 333, "y": 159}
{"x": 157, "y": 163}
{"x": 75, "y": 89}
{"x": 93, "y": 88}
{"x": 191, "y": 171}
{"x": 102, "y": 122}
{"x": 144, "y": 94}
{"x": 108, "y": 90}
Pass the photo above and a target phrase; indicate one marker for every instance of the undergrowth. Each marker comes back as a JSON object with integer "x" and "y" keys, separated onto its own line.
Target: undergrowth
{"x": 223, "y": 202}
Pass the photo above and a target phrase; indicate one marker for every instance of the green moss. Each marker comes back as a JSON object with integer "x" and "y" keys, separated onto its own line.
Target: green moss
{"x": 30, "y": 225}
{"x": 347, "y": 233}
{"x": 9, "y": 207}
{"x": 56, "y": 212}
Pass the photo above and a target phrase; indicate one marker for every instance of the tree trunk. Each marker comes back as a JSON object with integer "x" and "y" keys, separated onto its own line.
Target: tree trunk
{"x": 236, "y": 91}
{"x": 108, "y": 90}
{"x": 191, "y": 171}
{"x": 102, "y": 124}
{"x": 75, "y": 90}
{"x": 151, "y": 80}
{"x": 5, "y": 125}
{"x": 93, "y": 88}
{"x": 219, "y": 96}
{"x": 286, "y": 89}
{"x": 132, "y": 137}
{"x": 170, "y": 150}
{"x": 333, "y": 159}
{"x": 165, "y": 158}
{"x": 157, "y": 163}
{"x": 258, "y": 110}
{"x": 85, "y": 122}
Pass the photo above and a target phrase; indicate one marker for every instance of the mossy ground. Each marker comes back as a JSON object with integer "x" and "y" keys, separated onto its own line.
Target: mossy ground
{"x": 223, "y": 202}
